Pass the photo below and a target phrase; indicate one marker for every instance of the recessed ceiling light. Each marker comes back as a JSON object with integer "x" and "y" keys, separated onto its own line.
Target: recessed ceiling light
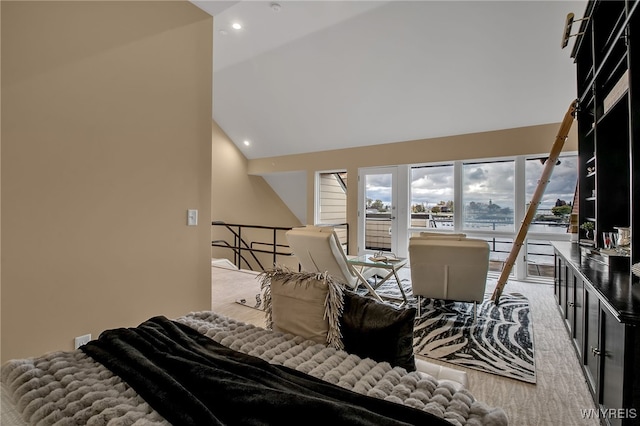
{"x": 236, "y": 26}
{"x": 223, "y": 32}
{"x": 247, "y": 143}
{"x": 275, "y": 7}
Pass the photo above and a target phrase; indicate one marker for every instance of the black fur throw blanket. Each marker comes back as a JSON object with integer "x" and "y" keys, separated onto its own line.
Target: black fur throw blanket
{"x": 192, "y": 380}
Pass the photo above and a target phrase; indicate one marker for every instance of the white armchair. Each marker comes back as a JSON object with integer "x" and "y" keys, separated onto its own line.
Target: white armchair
{"x": 318, "y": 249}
{"x": 449, "y": 269}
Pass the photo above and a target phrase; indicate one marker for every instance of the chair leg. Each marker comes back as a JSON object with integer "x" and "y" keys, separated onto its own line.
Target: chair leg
{"x": 475, "y": 311}
{"x": 419, "y": 304}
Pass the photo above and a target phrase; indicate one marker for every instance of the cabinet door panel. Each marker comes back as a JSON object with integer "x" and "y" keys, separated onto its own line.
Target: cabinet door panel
{"x": 562, "y": 290}
{"x": 571, "y": 301}
{"x": 579, "y": 317}
{"x": 612, "y": 352}
{"x": 557, "y": 277}
{"x": 590, "y": 359}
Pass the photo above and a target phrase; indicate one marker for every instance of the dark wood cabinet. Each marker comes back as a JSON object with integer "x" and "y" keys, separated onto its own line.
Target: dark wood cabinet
{"x": 598, "y": 296}
{"x": 590, "y": 359}
{"x": 606, "y": 54}
{"x": 579, "y": 308}
{"x": 604, "y": 355}
{"x": 570, "y": 315}
{"x": 611, "y": 350}
{"x": 601, "y": 308}
{"x": 560, "y": 288}
{"x": 569, "y": 291}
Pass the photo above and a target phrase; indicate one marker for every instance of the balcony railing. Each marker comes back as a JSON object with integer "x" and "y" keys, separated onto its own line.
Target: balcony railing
{"x": 539, "y": 256}
{"x": 252, "y": 245}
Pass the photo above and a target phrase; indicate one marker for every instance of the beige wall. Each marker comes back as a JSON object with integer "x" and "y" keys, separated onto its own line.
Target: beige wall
{"x": 240, "y": 198}
{"x": 507, "y": 142}
{"x": 106, "y": 142}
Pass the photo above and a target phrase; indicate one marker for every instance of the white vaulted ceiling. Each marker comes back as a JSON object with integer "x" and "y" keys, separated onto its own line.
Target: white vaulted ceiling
{"x": 319, "y": 75}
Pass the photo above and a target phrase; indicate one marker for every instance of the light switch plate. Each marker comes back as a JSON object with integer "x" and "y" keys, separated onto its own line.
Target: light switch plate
{"x": 192, "y": 217}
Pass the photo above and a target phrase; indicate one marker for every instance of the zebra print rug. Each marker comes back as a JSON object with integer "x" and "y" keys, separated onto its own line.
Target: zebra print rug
{"x": 500, "y": 341}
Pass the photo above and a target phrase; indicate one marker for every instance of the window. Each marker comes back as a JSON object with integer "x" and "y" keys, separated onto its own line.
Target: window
{"x": 332, "y": 202}
{"x": 488, "y": 196}
{"x": 554, "y": 211}
{"x": 553, "y": 215}
{"x": 332, "y": 198}
{"x": 432, "y": 195}
{"x": 484, "y": 198}
{"x": 488, "y": 199}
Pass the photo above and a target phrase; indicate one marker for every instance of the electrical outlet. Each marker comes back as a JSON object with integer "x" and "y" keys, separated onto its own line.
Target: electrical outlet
{"x": 82, "y": 340}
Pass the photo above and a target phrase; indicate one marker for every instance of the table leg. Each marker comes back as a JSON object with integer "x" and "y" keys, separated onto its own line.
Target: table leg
{"x": 404, "y": 296}
{"x": 393, "y": 273}
{"x": 367, "y": 285}
{"x": 383, "y": 280}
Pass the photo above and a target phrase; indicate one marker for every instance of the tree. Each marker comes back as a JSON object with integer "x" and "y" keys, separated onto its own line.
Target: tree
{"x": 377, "y": 204}
{"x": 494, "y": 208}
{"x": 435, "y": 209}
{"x": 561, "y": 210}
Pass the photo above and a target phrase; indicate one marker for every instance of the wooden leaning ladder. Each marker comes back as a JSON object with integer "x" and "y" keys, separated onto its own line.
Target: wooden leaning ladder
{"x": 563, "y": 133}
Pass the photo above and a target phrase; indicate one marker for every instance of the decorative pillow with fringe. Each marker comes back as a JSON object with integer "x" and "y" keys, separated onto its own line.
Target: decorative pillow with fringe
{"x": 306, "y": 304}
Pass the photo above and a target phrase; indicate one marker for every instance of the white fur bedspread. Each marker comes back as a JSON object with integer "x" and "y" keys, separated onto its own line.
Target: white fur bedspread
{"x": 71, "y": 388}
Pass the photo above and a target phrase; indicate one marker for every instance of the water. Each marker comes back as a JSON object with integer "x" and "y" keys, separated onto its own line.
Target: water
{"x": 539, "y": 251}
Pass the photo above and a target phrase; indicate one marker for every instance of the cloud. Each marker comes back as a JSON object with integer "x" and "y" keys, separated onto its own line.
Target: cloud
{"x": 481, "y": 182}
{"x": 486, "y": 182}
{"x": 431, "y": 184}
{"x": 477, "y": 174}
{"x": 561, "y": 186}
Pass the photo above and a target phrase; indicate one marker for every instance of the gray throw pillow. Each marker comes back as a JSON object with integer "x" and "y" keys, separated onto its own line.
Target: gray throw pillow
{"x": 379, "y": 331}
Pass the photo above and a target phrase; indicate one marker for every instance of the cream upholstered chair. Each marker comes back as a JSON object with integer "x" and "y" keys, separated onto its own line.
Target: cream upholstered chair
{"x": 318, "y": 249}
{"x": 449, "y": 268}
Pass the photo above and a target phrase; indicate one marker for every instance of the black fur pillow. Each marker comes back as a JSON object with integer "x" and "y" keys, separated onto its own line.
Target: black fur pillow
{"x": 379, "y": 331}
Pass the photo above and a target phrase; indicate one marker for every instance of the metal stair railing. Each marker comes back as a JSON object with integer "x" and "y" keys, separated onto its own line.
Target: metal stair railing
{"x": 240, "y": 246}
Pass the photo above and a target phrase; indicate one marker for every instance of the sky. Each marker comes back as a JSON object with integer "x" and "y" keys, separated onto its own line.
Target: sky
{"x": 482, "y": 182}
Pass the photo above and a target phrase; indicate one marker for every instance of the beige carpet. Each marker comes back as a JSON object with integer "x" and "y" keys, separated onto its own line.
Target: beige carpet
{"x": 556, "y": 399}
{"x": 561, "y": 390}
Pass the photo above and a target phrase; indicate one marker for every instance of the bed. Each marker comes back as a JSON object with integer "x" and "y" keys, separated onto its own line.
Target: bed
{"x": 239, "y": 373}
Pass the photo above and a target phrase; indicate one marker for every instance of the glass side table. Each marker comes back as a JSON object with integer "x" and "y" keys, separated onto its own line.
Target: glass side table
{"x": 365, "y": 261}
